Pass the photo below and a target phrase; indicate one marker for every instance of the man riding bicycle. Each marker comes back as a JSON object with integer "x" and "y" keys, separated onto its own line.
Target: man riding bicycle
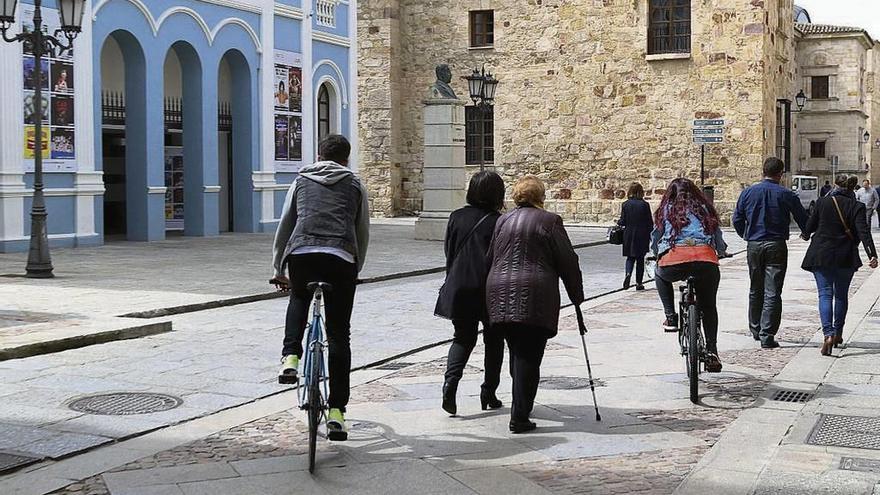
{"x": 322, "y": 237}
{"x": 687, "y": 241}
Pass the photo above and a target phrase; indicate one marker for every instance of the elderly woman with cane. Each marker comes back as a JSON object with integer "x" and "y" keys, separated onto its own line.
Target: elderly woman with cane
{"x": 530, "y": 251}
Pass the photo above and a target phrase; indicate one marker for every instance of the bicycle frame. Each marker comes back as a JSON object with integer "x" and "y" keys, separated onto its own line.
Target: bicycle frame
{"x": 688, "y": 298}
{"x": 315, "y": 349}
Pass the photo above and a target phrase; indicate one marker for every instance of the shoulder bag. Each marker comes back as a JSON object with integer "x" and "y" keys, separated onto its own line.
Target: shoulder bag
{"x": 445, "y": 300}
{"x": 842, "y": 220}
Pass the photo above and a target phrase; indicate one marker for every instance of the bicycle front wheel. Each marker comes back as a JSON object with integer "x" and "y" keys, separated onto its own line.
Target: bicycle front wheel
{"x": 693, "y": 357}
{"x": 315, "y": 406}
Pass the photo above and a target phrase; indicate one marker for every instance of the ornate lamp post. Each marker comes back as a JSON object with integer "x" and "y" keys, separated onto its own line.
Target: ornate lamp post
{"x": 800, "y": 100}
{"x": 39, "y": 263}
{"x": 482, "y": 86}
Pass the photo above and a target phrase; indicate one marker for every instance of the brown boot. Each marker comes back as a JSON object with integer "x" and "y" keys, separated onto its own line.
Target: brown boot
{"x": 838, "y": 340}
{"x": 828, "y": 345}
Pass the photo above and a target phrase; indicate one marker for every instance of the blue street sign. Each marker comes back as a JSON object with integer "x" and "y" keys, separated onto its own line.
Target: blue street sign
{"x": 709, "y": 123}
{"x": 708, "y": 139}
{"x": 711, "y": 130}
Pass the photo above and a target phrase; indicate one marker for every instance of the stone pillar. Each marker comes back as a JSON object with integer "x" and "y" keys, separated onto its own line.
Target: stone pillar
{"x": 444, "y": 171}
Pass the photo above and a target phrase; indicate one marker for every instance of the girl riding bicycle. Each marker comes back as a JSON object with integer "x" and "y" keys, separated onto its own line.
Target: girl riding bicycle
{"x": 687, "y": 241}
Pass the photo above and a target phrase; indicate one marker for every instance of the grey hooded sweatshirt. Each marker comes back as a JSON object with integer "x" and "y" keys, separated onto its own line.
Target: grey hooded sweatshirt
{"x": 326, "y": 211}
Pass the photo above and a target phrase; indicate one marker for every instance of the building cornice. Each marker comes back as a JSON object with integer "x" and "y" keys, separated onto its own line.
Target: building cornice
{"x": 333, "y": 39}
{"x": 289, "y": 12}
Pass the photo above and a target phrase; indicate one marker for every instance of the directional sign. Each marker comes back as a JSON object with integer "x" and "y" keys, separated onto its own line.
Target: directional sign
{"x": 709, "y": 123}
{"x": 708, "y": 139}
{"x": 710, "y": 130}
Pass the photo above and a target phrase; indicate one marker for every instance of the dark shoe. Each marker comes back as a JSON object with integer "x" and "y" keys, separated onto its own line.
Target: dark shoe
{"x": 640, "y": 287}
{"x": 671, "y": 324}
{"x": 755, "y": 335}
{"x": 713, "y": 363}
{"x": 827, "y": 345}
{"x": 769, "y": 344}
{"x": 489, "y": 401}
{"x": 626, "y": 281}
{"x": 449, "y": 391}
{"x": 517, "y": 427}
{"x": 838, "y": 340}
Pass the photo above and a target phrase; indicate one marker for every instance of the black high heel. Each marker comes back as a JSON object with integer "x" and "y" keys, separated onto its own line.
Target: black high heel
{"x": 449, "y": 404}
{"x": 489, "y": 401}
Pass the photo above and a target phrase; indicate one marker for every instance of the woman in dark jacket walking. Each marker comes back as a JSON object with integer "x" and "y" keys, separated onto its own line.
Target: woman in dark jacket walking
{"x": 530, "y": 252}
{"x": 637, "y": 223}
{"x": 462, "y": 297}
{"x": 838, "y": 224}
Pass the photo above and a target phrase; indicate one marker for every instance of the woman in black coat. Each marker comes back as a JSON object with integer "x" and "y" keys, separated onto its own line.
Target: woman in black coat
{"x": 462, "y": 297}
{"x": 838, "y": 224}
{"x": 637, "y": 223}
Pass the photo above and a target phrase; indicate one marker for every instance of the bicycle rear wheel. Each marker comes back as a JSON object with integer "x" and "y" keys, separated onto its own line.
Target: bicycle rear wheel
{"x": 693, "y": 357}
{"x": 315, "y": 406}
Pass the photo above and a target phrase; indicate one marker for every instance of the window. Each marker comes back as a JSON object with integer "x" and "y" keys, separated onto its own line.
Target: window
{"x": 783, "y": 132}
{"x": 479, "y": 135}
{"x": 482, "y": 28}
{"x": 323, "y": 112}
{"x": 819, "y": 87}
{"x": 669, "y": 26}
{"x": 817, "y": 149}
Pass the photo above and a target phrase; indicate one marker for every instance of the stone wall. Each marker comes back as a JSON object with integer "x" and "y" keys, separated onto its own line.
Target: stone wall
{"x": 872, "y": 89}
{"x": 583, "y": 107}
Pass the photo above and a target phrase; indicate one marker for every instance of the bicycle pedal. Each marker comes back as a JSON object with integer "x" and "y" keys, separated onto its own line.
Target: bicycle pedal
{"x": 337, "y": 436}
{"x": 288, "y": 379}
{"x": 670, "y": 330}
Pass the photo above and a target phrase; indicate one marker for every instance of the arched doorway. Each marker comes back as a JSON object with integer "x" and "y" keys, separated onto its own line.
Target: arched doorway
{"x": 326, "y": 111}
{"x": 237, "y": 141}
{"x": 123, "y": 137}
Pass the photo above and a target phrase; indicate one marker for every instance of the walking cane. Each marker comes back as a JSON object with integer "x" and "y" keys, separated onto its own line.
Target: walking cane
{"x": 583, "y": 329}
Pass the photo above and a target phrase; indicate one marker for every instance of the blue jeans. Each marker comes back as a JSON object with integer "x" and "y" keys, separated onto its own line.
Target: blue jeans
{"x": 833, "y": 285}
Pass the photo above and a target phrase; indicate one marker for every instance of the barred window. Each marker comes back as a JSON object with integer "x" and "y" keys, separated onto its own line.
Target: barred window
{"x": 480, "y": 128}
{"x": 819, "y": 88}
{"x": 817, "y": 149}
{"x": 669, "y": 26}
{"x": 482, "y": 28}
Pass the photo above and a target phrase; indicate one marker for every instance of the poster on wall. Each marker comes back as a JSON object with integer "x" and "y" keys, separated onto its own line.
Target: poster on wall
{"x": 59, "y": 149}
{"x": 288, "y": 111}
{"x": 173, "y": 188}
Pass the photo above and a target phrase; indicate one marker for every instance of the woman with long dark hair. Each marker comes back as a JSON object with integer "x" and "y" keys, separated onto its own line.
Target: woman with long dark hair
{"x": 462, "y": 297}
{"x": 838, "y": 224}
{"x": 635, "y": 218}
{"x": 687, "y": 241}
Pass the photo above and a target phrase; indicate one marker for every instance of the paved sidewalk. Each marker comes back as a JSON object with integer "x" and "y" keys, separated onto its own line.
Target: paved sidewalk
{"x": 650, "y": 439}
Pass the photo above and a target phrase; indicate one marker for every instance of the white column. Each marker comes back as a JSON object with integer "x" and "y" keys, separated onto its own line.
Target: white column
{"x": 267, "y": 107}
{"x": 11, "y": 140}
{"x": 353, "y": 85}
{"x": 88, "y": 182}
{"x": 308, "y": 105}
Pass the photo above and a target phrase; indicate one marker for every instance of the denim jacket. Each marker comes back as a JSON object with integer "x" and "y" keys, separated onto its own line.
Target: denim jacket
{"x": 691, "y": 235}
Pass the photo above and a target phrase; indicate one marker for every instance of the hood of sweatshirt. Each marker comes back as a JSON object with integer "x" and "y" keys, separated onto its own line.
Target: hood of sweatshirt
{"x": 325, "y": 173}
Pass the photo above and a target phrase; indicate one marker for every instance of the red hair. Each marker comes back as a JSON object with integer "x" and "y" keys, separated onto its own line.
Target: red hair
{"x": 681, "y": 198}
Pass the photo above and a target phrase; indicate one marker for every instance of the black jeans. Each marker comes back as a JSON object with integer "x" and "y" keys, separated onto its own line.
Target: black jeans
{"x": 463, "y": 344}
{"x": 768, "y": 262}
{"x": 707, "y": 277}
{"x": 526, "y": 346}
{"x": 639, "y": 264}
{"x": 306, "y": 268}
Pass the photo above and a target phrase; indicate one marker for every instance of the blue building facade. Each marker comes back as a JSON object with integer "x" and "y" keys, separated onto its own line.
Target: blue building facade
{"x": 188, "y": 116}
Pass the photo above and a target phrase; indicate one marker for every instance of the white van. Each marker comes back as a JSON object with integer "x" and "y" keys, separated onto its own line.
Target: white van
{"x": 807, "y": 189}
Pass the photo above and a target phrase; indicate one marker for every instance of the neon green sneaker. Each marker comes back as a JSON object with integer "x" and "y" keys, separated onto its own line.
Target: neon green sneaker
{"x": 336, "y": 426}
{"x": 288, "y": 374}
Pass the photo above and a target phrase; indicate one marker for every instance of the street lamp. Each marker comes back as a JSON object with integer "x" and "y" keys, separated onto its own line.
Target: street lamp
{"x": 39, "y": 264}
{"x": 800, "y": 100}
{"x": 867, "y": 137}
{"x": 482, "y": 86}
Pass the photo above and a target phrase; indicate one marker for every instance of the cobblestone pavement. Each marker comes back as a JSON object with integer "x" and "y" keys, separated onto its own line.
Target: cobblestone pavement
{"x": 650, "y": 439}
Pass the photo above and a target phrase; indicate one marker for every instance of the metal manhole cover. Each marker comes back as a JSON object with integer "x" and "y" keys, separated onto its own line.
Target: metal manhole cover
{"x": 393, "y": 366}
{"x": 567, "y": 383}
{"x": 857, "y": 432}
{"x": 783, "y": 395}
{"x": 125, "y": 403}
{"x": 9, "y": 461}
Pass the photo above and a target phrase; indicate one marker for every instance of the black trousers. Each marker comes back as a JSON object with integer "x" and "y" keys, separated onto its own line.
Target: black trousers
{"x": 526, "y": 346}
{"x": 463, "y": 343}
{"x": 639, "y": 265}
{"x": 768, "y": 262}
{"x": 707, "y": 277}
{"x": 338, "y": 304}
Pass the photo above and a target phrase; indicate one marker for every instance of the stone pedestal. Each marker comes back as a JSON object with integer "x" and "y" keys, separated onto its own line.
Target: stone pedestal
{"x": 444, "y": 171}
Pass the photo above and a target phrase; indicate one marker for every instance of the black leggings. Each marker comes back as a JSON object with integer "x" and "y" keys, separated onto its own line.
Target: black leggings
{"x": 639, "y": 264}
{"x": 707, "y": 277}
{"x": 463, "y": 344}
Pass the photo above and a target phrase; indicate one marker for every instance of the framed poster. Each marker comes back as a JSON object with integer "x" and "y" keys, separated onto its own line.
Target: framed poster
{"x": 174, "y": 207}
{"x": 288, "y": 111}
{"x": 58, "y": 103}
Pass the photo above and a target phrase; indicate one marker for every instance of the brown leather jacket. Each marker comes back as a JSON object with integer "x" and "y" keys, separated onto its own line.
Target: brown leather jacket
{"x": 529, "y": 253}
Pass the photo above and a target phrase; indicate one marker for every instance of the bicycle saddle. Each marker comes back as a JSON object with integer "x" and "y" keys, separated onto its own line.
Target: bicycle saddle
{"x": 325, "y": 287}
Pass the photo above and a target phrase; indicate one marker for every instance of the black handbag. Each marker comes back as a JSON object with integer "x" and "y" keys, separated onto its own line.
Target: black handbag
{"x": 443, "y": 308}
{"x": 615, "y": 235}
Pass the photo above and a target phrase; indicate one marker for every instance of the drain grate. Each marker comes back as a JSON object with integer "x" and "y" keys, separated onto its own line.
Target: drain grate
{"x": 394, "y": 366}
{"x": 783, "y": 395}
{"x": 858, "y": 432}
{"x": 568, "y": 383}
{"x": 125, "y": 403}
{"x": 9, "y": 461}
{"x": 860, "y": 464}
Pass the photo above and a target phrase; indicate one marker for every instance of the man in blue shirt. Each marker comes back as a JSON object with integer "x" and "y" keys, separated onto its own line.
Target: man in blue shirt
{"x": 762, "y": 218}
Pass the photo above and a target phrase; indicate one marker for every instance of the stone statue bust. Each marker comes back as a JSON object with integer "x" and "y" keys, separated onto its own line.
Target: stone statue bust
{"x": 441, "y": 87}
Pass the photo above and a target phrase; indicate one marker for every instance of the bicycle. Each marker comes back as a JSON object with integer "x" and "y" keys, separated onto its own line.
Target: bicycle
{"x": 312, "y": 396}
{"x": 690, "y": 337}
